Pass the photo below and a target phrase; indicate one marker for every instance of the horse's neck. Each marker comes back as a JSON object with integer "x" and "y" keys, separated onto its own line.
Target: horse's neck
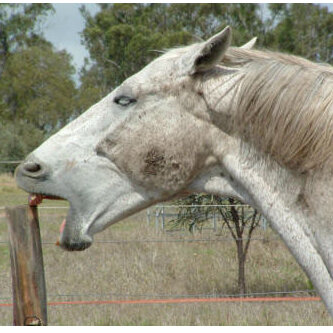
{"x": 261, "y": 179}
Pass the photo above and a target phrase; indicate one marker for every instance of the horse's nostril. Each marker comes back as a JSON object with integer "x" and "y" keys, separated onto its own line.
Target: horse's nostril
{"x": 32, "y": 167}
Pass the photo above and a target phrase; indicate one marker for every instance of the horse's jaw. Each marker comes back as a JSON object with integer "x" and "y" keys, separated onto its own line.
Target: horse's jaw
{"x": 104, "y": 198}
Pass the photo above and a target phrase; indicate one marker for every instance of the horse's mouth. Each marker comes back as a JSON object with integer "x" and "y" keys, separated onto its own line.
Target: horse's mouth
{"x": 65, "y": 241}
{"x": 36, "y": 198}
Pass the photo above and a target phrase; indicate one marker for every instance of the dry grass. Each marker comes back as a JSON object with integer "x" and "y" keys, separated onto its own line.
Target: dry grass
{"x": 113, "y": 270}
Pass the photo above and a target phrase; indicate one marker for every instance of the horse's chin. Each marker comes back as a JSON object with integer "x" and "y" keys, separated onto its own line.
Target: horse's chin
{"x": 72, "y": 241}
{"x": 69, "y": 240}
{"x": 74, "y": 244}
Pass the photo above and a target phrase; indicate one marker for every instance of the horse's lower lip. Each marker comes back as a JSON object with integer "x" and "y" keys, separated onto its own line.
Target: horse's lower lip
{"x": 73, "y": 243}
{"x": 81, "y": 245}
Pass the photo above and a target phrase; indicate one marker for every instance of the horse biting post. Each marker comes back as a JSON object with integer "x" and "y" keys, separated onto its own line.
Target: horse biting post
{"x": 29, "y": 292}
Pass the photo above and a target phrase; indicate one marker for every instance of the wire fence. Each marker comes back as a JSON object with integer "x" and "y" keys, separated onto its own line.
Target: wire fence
{"x": 310, "y": 295}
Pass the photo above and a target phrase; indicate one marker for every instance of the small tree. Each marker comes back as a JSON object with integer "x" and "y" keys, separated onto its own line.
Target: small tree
{"x": 240, "y": 220}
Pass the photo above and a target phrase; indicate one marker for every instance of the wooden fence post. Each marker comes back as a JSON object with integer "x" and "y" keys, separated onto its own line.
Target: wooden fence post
{"x": 29, "y": 292}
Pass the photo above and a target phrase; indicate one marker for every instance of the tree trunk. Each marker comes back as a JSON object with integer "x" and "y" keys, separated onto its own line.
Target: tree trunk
{"x": 241, "y": 267}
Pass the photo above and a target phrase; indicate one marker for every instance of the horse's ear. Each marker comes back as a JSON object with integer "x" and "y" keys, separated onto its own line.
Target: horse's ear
{"x": 208, "y": 53}
{"x": 249, "y": 45}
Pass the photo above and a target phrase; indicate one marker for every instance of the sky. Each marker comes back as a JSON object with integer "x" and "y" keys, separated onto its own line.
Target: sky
{"x": 63, "y": 27}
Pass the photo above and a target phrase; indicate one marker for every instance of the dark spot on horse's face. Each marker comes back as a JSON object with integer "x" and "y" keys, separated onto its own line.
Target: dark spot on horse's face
{"x": 175, "y": 165}
{"x": 301, "y": 200}
{"x": 154, "y": 162}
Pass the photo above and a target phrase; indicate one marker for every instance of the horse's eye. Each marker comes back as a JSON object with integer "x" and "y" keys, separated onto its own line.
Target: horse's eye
{"x": 124, "y": 100}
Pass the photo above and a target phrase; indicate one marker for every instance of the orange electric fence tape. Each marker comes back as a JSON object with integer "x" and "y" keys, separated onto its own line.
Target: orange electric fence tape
{"x": 187, "y": 300}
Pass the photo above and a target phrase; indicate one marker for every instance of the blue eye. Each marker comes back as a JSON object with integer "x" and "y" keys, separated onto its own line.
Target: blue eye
{"x": 124, "y": 100}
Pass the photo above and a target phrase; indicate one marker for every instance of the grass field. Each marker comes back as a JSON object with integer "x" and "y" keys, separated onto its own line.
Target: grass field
{"x": 109, "y": 271}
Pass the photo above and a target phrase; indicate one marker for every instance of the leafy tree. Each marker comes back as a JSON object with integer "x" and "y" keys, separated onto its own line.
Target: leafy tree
{"x": 38, "y": 95}
{"x": 302, "y": 29}
{"x": 18, "y": 27}
{"x": 240, "y": 221}
{"x": 37, "y": 87}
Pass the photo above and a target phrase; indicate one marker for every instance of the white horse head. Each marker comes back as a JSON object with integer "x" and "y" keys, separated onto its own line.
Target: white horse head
{"x": 203, "y": 118}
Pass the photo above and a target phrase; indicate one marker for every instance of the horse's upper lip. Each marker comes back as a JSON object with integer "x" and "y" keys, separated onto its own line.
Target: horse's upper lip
{"x": 36, "y": 198}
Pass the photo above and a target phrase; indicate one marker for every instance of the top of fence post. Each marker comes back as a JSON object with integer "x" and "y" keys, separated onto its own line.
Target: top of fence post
{"x": 28, "y": 281}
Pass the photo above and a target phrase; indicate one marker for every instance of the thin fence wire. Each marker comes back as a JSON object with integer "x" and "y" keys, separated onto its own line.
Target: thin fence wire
{"x": 10, "y": 162}
{"x": 184, "y": 300}
{"x": 167, "y": 206}
{"x": 45, "y": 207}
{"x": 224, "y": 239}
{"x": 166, "y": 296}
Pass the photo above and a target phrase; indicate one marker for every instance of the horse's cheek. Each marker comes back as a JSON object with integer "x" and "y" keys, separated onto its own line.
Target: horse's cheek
{"x": 162, "y": 161}
{"x": 155, "y": 167}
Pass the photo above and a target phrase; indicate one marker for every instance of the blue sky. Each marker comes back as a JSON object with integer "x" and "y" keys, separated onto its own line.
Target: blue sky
{"x": 63, "y": 28}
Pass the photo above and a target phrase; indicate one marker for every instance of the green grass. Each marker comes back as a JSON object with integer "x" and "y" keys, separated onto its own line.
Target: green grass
{"x": 180, "y": 268}
{"x": 4, "y": 257}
